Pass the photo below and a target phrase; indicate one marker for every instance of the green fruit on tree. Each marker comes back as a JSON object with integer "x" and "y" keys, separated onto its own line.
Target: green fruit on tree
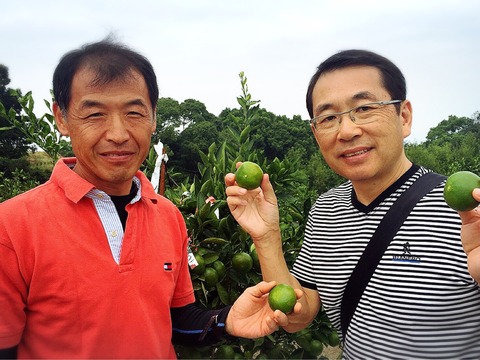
{"x": 242, "y": 262}
{"x": 316, "y": 347}
{"x": 333, "y": 339}
{"x": 211, "y": 277}
{"x": 219, "y": 266}
{"x": 458, "y": 190}
{"x": 256, "y": 261}
{"x": 200, "y": 268}
{"x": 249, "y": 175}
{"x": 225, "y": 352}
{"x": 282, "y": 297}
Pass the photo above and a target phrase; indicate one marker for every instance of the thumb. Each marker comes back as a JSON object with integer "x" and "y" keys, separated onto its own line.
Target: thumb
{"x": 267, "y": 188}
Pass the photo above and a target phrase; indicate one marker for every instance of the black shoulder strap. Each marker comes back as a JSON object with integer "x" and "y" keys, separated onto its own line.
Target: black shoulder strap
{"x": 377, "y": 245}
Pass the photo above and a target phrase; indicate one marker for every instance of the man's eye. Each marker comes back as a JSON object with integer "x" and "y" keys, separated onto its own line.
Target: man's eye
{"x": 94, "y": 115}
{"x": 135, "y": 114}
{"x": 365, "y": 108}
{"x": 328, "y": 118}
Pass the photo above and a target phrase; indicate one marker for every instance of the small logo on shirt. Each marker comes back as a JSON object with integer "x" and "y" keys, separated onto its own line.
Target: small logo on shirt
{"x": 406, "y": 255}
{"x": 167, "y": 266}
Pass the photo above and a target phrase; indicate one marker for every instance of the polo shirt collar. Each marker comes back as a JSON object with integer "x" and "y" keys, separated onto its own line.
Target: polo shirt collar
{"x": 76, "y": 187}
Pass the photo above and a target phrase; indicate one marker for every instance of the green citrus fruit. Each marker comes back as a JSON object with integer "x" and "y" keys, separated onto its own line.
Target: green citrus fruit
{"x": 200, "y": 268}
{"x": 458, "y": 190}
{"x": 316, "y": 347}
{"x": 333, "y": 339}
{"x": 242, "y": 262}
{"x": 225, "y": 352}
{"x": 211, "y": 277}
{"x": 256, "y": 261}
{"x": 249, "y": 175}
{"x": 220, "y": 268}
{"x": 283, "y": 298}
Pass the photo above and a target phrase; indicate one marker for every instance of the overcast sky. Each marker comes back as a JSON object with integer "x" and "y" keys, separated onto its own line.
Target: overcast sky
{"x": 198, "y": 47}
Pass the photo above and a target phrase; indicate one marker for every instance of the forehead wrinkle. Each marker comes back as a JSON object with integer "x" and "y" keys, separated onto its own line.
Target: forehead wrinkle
{"x": 364, "y": 95}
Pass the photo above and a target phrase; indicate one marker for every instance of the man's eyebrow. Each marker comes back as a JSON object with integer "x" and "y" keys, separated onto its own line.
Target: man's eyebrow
{"x": 322, "y": 107}
{"x": 362, "y": 95}
{"x": 87, "y": 104}
{"x": 139, "y": 102}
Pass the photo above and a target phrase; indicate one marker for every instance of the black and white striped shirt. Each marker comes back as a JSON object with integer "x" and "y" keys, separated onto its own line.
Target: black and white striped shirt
{"x": 421, "y": 302}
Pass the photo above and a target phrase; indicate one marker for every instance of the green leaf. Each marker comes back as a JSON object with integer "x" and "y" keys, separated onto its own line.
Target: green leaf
{"x": 214, "y": 240}
{"x": 210, "y": 258}
{"x": 223, "y": 294}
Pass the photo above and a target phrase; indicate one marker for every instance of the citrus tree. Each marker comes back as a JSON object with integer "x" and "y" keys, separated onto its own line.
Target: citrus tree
{"x": 225, "y": 252}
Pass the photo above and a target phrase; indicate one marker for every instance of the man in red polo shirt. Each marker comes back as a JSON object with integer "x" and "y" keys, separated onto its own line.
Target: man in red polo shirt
{"x": 94, "y": 262}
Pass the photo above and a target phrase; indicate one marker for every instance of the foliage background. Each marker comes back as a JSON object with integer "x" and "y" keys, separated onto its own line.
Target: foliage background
{"x": 202, "y": 148}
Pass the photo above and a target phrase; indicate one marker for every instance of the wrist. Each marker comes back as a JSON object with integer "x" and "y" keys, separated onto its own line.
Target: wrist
{"x": 270, "y": 238}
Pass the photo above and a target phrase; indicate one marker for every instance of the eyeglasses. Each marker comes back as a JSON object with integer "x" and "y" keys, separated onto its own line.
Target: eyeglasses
{"x": 360, "y": 115}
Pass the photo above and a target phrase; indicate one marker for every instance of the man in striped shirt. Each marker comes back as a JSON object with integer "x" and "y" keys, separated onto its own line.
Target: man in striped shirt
{"x": 423, "y": 300}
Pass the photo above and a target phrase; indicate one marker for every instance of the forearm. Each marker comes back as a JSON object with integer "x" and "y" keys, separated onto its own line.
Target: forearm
{"x": 272, "y": 261}
{"x": 274, "y": 268}
{"x": 194, "y": 326}
{"x": 474, "y": 264}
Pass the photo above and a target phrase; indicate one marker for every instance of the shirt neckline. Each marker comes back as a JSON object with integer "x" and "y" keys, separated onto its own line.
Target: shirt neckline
{"x": 386, "y": 193}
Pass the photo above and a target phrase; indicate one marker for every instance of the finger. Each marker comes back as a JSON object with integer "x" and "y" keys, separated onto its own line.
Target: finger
{"x": 267, "y": 188}
{"x": 229, "y": 179}
{"x": 262, "y": 288}
{"x": 272, "y": 324}
{"x": 280, "y": 318}
{"x": 234, "y": 190}
{"x": 297, "y": 309}
{"x": 476, "y": 194}
{"x": 299, "y": 293}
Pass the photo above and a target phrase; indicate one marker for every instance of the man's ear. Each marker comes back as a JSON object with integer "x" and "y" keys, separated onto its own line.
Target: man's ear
{"x": 406, "y": 116}
{"x": 154, "y": 125}
{"x": 60, "y": 120}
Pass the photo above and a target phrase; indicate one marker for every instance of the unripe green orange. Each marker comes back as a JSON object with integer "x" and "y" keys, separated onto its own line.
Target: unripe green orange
{"x": 242, "y": 262}
{"x": 458, "y": 190}
{"x": 211, "y": 277}
{"x": 249, "y": 175}
{"x": 200, "y": 268}
{"x": 283, "y": 298}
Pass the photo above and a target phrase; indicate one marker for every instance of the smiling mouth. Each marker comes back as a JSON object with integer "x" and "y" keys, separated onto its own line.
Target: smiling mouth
{"x": 117, "y": 154}
{"x": 360, "y": 152}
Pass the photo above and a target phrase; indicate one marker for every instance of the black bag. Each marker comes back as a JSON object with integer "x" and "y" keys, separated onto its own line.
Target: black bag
{"x": 377, "y": 245}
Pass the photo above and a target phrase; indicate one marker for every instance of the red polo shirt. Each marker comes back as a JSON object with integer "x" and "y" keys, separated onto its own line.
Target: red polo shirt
{"x": 62, "y": 295}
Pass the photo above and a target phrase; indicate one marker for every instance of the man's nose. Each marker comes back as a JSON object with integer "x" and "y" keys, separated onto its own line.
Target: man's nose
{"x": 347, "y": 128}
{"x": 117, "y": 129}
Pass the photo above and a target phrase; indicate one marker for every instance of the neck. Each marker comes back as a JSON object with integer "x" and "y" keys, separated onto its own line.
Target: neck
{"x": 368, "y": 190}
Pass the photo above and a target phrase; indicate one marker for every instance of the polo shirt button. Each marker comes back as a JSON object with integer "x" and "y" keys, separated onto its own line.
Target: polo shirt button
{"x": 114, "y": 233}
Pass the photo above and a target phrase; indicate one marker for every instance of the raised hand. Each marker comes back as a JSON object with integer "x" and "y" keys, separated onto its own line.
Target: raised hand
{"x": 255, "y": 210}
{"x": 471, "y": 237}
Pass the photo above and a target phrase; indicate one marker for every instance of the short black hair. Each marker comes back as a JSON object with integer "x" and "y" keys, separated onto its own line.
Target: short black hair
{"x": 392, "y": 77}
{"x": 110, "y": 60}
